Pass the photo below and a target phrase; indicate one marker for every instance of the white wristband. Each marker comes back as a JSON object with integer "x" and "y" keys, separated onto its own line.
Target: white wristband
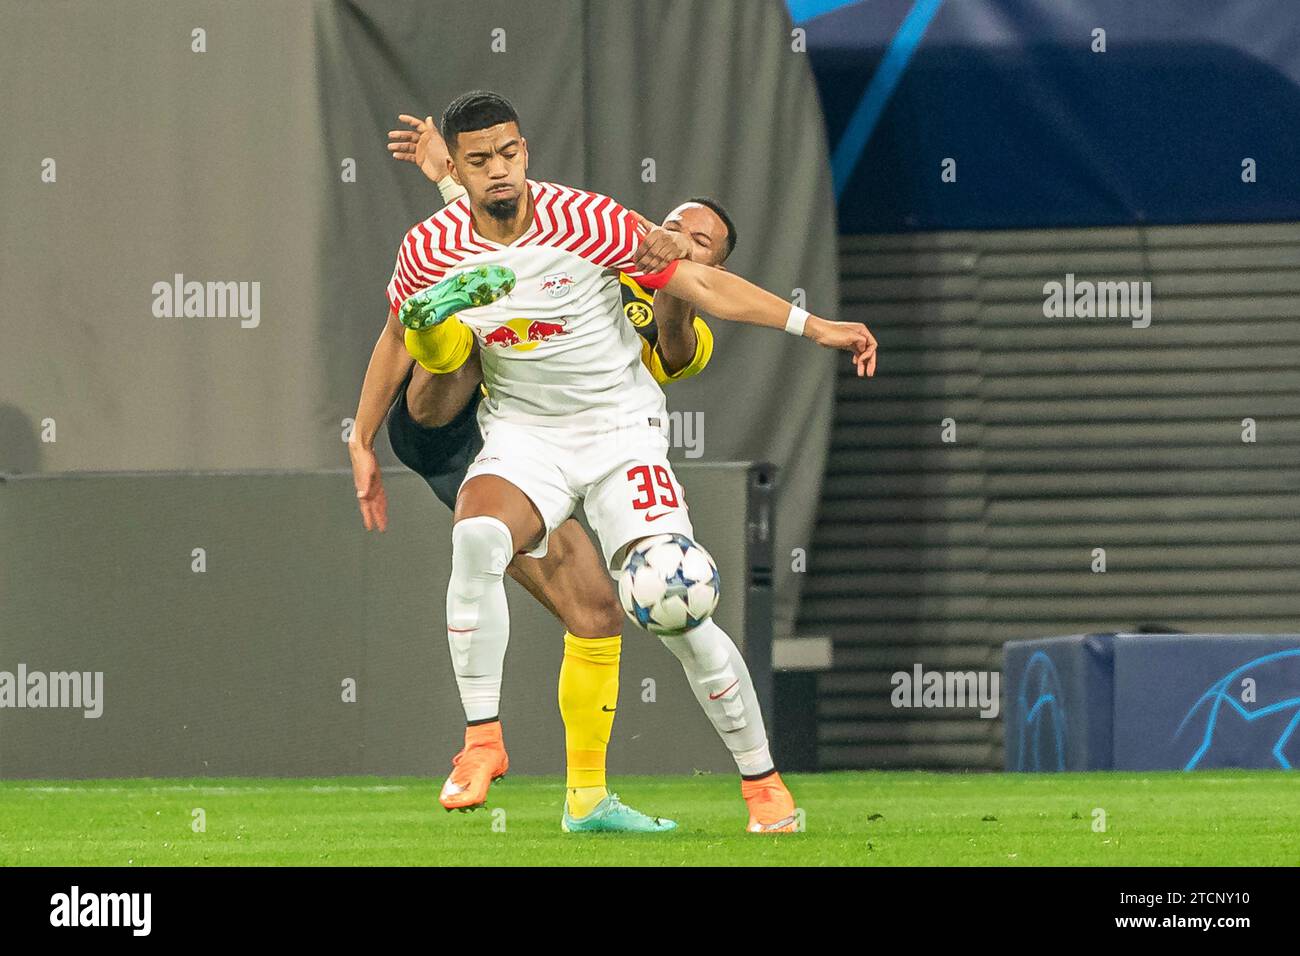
{"x": 796, "y": 321}
{"x": 450, "y": 189}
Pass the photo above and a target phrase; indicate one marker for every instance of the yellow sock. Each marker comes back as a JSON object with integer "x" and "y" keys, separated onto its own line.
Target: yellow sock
{"x": 443, "y": 348}
{"x": 588, "y": 697}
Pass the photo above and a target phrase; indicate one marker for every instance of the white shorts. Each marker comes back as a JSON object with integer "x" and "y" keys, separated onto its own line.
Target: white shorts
{"x": 623, "y": 478}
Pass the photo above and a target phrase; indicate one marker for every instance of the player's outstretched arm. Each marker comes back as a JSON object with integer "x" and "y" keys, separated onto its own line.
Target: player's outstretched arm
{"x": 389, "y": 363}
{"x": 732, "y": 298}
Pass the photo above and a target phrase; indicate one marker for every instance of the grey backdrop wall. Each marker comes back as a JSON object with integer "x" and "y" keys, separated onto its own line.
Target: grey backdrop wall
{"x": 236, "y": 666}
{"x": 228, "y": 165}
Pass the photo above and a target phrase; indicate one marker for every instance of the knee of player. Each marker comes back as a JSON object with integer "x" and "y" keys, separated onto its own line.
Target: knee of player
{"x": 596, "y": 619}
{"x": 480, "y": 545}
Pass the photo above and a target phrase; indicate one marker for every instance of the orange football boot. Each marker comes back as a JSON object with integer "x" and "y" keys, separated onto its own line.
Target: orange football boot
{"x": 771, "y": 808}
{"x": 482, "y": 760}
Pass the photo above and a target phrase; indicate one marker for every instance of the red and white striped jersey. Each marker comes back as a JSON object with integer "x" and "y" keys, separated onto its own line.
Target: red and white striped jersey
{"x": 558, "y": 349}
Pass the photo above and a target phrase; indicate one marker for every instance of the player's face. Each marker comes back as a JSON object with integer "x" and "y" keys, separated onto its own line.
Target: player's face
{"x": 492, "y": 165}
{"x": 705, "y": 229}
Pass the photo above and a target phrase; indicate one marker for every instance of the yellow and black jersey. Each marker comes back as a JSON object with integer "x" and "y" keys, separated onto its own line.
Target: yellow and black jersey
{"x": 639, "y": 309}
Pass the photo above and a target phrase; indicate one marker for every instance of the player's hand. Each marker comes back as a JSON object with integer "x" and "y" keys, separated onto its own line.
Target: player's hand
{"x": 370, "y": 487}
{"x": 422, "y": 144}
{"x": 851, "y": 336}
{"x": 660, "y": 246}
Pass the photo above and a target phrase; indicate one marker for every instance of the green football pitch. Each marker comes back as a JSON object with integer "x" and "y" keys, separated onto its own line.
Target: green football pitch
{"x": 886, "y": 819}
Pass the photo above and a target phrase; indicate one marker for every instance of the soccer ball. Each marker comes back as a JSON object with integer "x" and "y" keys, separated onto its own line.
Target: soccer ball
{"x": 669, "y": 584}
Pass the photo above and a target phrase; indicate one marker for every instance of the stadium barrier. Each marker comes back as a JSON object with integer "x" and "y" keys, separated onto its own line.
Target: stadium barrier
{"x": 1152, "y": 702}
{"x": 245, "y": 624}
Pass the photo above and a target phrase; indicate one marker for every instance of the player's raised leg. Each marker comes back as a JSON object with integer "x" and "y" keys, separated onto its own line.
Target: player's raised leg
{"x": 434, "y": 401}
{"x": 464, "y": 289}
{"x": 434, "y": 337}
{"x": 493, "y": 521}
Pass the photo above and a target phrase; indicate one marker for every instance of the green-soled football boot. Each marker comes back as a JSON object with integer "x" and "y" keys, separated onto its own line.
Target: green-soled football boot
{"x": 613, "y": 816}
{"x": 460, "y": 290}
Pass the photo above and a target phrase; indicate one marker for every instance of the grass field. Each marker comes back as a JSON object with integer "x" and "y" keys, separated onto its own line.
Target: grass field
{"x": 886, "y": 819}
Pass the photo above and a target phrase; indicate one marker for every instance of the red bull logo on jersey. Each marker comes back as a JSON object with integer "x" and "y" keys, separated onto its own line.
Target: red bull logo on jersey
{"x": 502, "y": 335}
{"x": 557, "y": 284}
{"x": 540, "y": 331}
{"x": 523, "y": 334}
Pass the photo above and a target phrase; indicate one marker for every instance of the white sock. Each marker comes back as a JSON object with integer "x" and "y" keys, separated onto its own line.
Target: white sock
{"x": 478, "y": 618}
{"x": 721, "y": 683}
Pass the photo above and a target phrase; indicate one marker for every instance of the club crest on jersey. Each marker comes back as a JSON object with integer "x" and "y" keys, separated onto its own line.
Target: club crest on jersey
{"x": 638, "y": 313}
{"x": 557, "y": 284}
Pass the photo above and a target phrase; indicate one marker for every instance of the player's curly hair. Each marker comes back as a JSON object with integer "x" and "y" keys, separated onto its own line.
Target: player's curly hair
{"x": 477, "y": 109}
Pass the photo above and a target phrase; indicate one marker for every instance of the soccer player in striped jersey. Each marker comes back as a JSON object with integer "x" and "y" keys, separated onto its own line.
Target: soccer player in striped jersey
{"x": 433, "y": 430}
{"x": 558, "y": 380}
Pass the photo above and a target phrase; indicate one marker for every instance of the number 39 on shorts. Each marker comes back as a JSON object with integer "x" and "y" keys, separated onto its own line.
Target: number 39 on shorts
{"x": 653, "y": 486}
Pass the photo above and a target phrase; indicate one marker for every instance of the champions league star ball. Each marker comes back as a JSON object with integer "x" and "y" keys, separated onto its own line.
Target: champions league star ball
{"x": 669, "y": 584}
